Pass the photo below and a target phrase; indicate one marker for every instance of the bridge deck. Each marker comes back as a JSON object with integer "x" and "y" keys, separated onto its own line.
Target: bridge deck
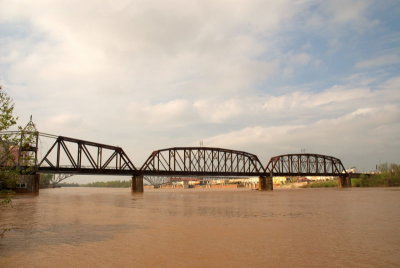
{"x": 88, "y": 171}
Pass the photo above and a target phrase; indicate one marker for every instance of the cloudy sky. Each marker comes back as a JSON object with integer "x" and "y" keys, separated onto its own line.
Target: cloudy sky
{"x": 268, "y": 77}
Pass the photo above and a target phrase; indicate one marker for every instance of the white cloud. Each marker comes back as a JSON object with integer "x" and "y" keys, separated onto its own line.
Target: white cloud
{"x": 333, "y": 13}
{"x": 348, "y": 11}
{"x": 344, "y": 137}
{"x": 359, "y": 125}
{"x": 379, "y": 61}
{"x": 63, "y": 121}
{"x": 298, "y": 107}
{"x": 146, "y": 74}
{"x": 169, "y": 114}
{"x": 219, "y": 111}
{"x": 392, "y": 84}
{"x": 143, "y": 45}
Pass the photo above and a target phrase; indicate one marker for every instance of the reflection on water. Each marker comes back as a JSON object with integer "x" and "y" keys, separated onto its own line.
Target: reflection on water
{"x": 76, "y": 227}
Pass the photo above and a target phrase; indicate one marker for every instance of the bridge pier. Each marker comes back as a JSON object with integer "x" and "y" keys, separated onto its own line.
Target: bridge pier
{"x": 265, "y": 183}
{"x": 344, "y": 181}
{"x": 28, "y": 184}
{"x": 137, "y": 184}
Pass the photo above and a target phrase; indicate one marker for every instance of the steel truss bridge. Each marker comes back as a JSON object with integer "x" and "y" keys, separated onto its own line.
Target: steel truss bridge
{"x": 75, "y": 156}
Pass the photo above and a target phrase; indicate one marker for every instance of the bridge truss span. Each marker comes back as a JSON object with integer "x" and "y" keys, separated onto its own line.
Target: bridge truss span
{"x": 305, "y": 165}
{"x": 202, "y": 161}
{"x": 74, "y": 156}
{"x": 69, "y": 155}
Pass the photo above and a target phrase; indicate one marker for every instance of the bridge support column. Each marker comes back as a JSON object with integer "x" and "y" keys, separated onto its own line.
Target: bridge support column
{"x": 344, "y": 182}
{"x": 137, "y": 184}
{"x": 265, "y": 183}
{"x": 28, "y": 184}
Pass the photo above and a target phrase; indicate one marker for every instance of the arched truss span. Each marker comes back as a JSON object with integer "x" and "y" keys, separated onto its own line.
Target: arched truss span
{"x": 305, "y": 165}
{"x": 202, "y": 161}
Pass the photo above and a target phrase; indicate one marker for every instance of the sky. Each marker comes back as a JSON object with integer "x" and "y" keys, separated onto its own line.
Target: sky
{"x": 266, "y": 77}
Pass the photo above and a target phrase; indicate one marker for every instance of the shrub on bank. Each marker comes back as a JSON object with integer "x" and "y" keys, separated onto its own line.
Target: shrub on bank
{"x": 389, "y": 175}
{"x": 111, "y": 184}
{"x": 68, "y": 184}
{"x": 376, "y": 180}
{"x": 321, "y": 184}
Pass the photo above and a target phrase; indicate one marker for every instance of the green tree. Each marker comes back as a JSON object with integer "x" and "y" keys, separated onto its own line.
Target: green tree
{"x": 111, "y": 184}
{"x": 8, "y": 141}
{"x": 45, "y": 180}
{"x": 7, "y": 118}
{"x": 388, "y": 175}
{"x": 7, "y": 177}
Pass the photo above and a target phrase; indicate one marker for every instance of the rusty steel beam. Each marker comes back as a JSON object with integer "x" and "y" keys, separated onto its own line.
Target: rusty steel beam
{"x": 202, "y": 161}
{"x": 74, "y": 156}
{"x": 117, "y": 163}
{"x": 305, "y": 165}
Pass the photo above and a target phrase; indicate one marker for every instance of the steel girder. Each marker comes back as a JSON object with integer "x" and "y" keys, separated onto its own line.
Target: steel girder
{"x": 68, "y": 155}
{"x": 74, "y": 156}
{"x": 305, "y": 165}
{"x": 202, "y": 161}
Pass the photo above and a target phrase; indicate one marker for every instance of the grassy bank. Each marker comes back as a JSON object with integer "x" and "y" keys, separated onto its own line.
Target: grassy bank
{"x": 377, "y": 180}
{"x": 321, "y": 184}
{"x": 388, "y": 175}
{"x": 111, "y": 184}
{"x": 68, "y": 184}
{"x": 5, "y": 197}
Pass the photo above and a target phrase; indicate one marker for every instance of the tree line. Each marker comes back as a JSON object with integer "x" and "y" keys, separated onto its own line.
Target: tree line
{"x": 388, "y": 175}
{"x": 111, "y": 184}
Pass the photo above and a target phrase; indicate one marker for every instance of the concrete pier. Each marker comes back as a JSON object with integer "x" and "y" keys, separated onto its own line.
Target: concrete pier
{"x": 28, "y": 184}
{"x": 265, "y": 183}
{"x": 137, "y": 184}
{"x": 344, "y": 182}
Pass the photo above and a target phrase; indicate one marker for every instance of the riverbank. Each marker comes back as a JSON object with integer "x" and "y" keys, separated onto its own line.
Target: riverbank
{"x": 383, "y": 179}
{"x": 377, "y": 180}
{"x": 364, "y": 181}
{"x": 355, "y": 182}
{"x": 321, "y": 184}
{"x": 388, "y": 178}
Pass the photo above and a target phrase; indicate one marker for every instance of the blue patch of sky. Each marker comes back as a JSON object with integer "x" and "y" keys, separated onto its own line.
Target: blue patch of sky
{"x": 20, "y": 31}
{"x": 9, "y": 32}
{"x": 337, "y": 63}
{"x": 388, "y": 13}
{"x": 324, "y": 69}
{"x": 12, "y": 32}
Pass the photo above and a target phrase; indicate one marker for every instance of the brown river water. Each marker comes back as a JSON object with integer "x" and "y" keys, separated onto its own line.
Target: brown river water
{"x": 98, "y": 227}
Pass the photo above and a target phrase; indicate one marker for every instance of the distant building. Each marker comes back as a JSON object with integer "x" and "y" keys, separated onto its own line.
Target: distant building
{"x": 352, "y": 170}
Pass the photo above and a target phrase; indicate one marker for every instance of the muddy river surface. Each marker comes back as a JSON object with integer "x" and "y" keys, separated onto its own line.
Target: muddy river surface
{"x": 98, "y": 227}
